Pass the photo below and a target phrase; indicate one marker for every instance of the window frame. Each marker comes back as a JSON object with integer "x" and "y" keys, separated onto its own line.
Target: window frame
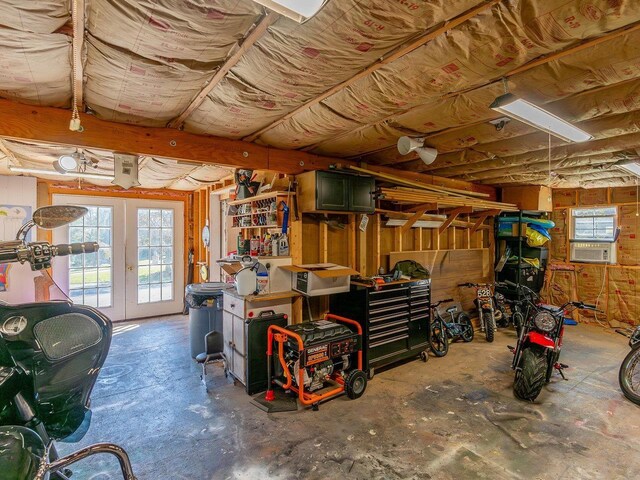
{"x": 572, "y": 236}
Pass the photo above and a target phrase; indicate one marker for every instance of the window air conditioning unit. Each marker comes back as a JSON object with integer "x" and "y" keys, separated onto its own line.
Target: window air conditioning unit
{"x": 593, "y": 252}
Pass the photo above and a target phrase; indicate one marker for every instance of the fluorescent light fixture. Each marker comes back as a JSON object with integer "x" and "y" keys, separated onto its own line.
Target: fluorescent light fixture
{"x": 298, "y": 10}
{"x": 407, "y": 145}
{"x": 42, "y": 171}
{"x": 632, "y": 167}
{"x": 396, "y": 222}
{"x": 66, "y": 163}
{"x": 514, "y": 107}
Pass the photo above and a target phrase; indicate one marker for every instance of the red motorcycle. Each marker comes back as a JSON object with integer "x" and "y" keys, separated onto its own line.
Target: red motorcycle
{"x": 537, "y": 352}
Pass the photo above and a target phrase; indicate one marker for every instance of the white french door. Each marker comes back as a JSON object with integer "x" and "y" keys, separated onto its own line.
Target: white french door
{"x": 138, "y": 270}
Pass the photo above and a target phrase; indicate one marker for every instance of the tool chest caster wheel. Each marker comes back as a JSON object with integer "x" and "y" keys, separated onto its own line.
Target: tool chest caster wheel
{"x": 424, "y": 356}
{"x": 315, "y": 407}
{"x": 355, "y": 384}
{"x": 371, "y": 373}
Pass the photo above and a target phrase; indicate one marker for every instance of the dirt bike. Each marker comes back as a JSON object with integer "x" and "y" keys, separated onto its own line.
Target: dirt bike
{"x": 50, "y": 356}
{"x": 629, "y": 375}
{"x": 537, "y": 353}
{"x": 488, "y": 312}
{"x": 441, "y": 330}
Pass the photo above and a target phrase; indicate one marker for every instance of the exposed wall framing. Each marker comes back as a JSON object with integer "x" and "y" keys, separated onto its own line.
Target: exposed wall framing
{"x": 615, "y": 288}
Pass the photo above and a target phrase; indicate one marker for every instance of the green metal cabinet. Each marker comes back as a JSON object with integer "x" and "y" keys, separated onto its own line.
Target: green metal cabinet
{"x": 342, "y": 192}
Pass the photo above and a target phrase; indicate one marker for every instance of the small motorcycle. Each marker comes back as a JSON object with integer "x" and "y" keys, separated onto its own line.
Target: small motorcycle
{"x": 487, "y": 311}
{"x": 50, "y": 357}
{"x": 536, "y": 355}
{"x": 441, "y": 330}
{"x": 629, "y": 375}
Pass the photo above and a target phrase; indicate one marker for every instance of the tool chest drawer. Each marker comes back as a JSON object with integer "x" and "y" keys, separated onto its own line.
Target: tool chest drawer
{"x": 394, "y": 319}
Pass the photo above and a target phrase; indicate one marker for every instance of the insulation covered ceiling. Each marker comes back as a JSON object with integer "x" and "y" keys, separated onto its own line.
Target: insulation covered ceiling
{"x": 302, "y": 86}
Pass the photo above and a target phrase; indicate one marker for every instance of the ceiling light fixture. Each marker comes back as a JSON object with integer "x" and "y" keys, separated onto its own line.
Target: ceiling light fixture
{"x": 630, "y": 166}
{"x": 407, "y": 145}
{"x": 526, "y": 112}
{"x": 42, "y": 171}
{"x": 298, "y": 10}
{"x": 66, "y": 163}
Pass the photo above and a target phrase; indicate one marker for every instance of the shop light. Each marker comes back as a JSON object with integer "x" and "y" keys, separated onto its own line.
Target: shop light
{"x": 298, "y": 10}
{"x": 66, "y": 163}
{"x": 632, "y": 167}
{"x": 526, "y": 112}
{"x": 42, "y": 171}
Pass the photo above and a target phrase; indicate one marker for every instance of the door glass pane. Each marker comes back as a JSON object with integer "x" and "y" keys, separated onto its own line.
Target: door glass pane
{"x": 89, "y": 271}
{"x": 155, "y": 255}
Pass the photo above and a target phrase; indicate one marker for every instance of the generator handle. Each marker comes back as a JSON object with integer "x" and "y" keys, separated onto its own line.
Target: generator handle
{"x": 358, "y": 328}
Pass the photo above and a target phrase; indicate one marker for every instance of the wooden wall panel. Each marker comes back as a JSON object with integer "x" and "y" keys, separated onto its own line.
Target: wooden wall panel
{"x": 449, "y": 268}
{"x": 613, "y": 287}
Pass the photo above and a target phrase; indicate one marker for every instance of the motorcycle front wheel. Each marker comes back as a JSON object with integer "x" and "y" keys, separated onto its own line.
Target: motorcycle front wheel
{"x": 629, "y": 376}
{"x": 518, "y": 322}
{"x": 487, "y": 319}
{"x": 438, "y": 338}
{"x": 466, "y": 327}
{"x": 530, "y": 377}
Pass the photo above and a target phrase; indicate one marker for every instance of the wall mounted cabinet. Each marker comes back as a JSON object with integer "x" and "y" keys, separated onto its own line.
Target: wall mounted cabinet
{"x": 335, "y": 192}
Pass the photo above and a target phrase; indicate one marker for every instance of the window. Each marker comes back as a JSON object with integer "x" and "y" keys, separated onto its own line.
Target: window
{"x": 594, "y": 224}
{"x": 155, "y": 255}
{"x": 90, "y": 274}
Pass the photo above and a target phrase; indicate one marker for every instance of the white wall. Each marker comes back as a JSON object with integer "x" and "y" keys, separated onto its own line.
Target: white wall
{"x": 18, "y": 191}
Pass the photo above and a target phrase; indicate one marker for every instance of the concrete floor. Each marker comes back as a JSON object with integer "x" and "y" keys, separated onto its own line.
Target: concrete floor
{"x": 451, "y": 418}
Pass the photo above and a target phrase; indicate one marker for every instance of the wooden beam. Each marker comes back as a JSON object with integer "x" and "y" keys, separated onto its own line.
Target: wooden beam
{"x": 483, "y": 216}
{"x": 370, "y": 157}
{"x": 452, "y": 216}
{"x": 425, "y": 207}
{"x": 414, "y": 218}
{"x": 77, "y": 11}
{"x": 253, "y": 36}
{"x": 51, "y": 125}
{"x": 396, "y": 54}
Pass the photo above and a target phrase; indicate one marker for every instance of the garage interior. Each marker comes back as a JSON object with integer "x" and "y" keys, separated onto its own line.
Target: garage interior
{"x": 289, "y": 197}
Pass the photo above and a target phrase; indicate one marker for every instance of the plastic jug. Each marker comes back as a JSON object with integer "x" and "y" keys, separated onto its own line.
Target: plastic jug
{"x": 245, "y": 279}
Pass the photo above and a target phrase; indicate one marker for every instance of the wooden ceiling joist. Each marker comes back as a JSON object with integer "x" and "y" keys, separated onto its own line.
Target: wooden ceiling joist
{"x": 51, "y": 125}
{"x": 253, "y": 36}
{"x": 396, "y": 54}
{"x": 372, "y": 156}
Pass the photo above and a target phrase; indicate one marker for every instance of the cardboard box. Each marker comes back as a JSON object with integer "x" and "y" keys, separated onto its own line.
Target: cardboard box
{"x": 320, "y": 278}
{"x": 535, "y": 197}
{"x": 279, "y": 279}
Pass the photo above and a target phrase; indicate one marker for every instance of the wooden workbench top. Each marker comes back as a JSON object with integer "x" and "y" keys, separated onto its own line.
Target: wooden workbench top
{"x": 264, "y": 298}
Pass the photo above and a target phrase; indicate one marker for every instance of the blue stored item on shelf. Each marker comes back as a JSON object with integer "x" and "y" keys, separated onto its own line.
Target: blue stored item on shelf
{"x": 528, "y": 220}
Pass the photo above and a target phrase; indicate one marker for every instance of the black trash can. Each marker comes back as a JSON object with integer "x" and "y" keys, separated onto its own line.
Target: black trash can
{"x": 205, "y": 313}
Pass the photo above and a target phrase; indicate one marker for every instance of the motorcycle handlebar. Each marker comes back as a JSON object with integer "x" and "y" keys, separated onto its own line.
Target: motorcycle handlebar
{"x": 39, "y": 254}
{"x": 65, "y": 249}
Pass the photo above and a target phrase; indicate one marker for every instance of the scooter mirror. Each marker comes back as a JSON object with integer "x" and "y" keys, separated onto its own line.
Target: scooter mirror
{"x": 57, "y": 215}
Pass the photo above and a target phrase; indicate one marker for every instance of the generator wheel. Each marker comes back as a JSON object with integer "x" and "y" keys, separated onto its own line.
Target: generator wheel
{"x": 355, "y": 384}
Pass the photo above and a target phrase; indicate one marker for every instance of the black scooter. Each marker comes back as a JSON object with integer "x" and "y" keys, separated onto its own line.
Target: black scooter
{"x": 50, "y": 357}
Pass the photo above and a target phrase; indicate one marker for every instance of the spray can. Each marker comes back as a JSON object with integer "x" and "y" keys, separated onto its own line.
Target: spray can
{"x": 254, "y": 246}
